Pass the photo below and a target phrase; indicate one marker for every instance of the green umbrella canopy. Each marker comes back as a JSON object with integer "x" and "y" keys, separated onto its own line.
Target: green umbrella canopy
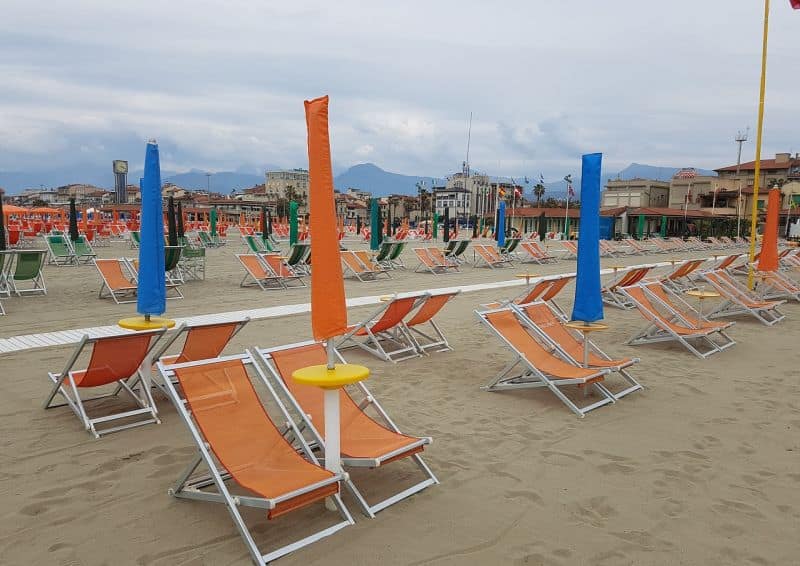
{"x": 374, "y": 225}
{"x": 264, "y": 224}
{"x": 73, "y": 220}
{"x": 213, "y": 222}
{"x": 663, "y": 226}
{"x": 181, "y": 229}
{"x": 640, "y": 227}
{"x": 292, "y": 222}
{"x": 435, "y": 225}
{"x": 2, "y": 226}
{"x": 172, "y": 229}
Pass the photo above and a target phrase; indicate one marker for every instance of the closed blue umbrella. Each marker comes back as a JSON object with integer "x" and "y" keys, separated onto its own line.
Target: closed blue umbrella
{"x": 501, "y": 223}
{"x": 152, "y": 291}
{"x": 374, "y": 225}
{"x": 588, "y": 305}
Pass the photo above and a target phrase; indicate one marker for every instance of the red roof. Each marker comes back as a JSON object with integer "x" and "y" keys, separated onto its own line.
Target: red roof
{"x": 765, "y": 164}
{"x": 690, "y": 213}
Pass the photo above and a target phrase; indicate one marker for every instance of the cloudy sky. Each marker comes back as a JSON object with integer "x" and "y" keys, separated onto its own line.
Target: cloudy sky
{"x": 221, "y": 84}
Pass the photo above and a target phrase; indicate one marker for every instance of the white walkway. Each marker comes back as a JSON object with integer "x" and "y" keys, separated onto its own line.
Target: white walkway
{"x": 73, "y": 336}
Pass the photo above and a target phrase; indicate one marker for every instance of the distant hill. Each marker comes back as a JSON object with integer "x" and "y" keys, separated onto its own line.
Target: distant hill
{"x": 365, "y": 176}
{"x": 370, "y": 177}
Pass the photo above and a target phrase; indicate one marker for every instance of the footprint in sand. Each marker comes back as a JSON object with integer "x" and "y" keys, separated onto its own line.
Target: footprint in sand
{"x": 727, "y": 506}
{"x": 673, "y": 507}
{"x": 560, "y": 458}
{"x": 594, "y": 511}
{"x": 531, "y": 496}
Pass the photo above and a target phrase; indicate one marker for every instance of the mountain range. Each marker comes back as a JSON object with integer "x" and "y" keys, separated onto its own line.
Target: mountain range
{"x": 364, "y": 176}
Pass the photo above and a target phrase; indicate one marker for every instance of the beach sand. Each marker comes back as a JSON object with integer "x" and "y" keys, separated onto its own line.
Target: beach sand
{"x": 702, "y": 467}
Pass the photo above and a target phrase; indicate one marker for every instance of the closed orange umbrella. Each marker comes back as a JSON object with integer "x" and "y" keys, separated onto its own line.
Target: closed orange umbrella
{"x": 768, "y": 259}
{"x": 328, "y": 309}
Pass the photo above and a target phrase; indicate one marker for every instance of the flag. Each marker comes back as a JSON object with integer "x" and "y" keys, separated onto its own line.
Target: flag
{"x": 501, "y": 192}
{"x": 517, "y": 192}
{"x": 795, "y": 4}
{"x": 570, "y": 191}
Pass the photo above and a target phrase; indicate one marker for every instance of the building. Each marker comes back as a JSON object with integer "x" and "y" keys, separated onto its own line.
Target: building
{"x": 635, "y": 193}
{"x": 736, "y": 182}
{"x": 289, "y": 184}
{"x": 458, "y": 199}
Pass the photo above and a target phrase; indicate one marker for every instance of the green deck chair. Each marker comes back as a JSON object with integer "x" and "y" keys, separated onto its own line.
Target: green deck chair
{"x": 394, "y": 256}
{"x": 384, "y": 251}
{"x": 257, "y": 245}
{"x": 83, "y": 250}
{"x": 193, "y": 262}
{"x": 61, "y": 252}
{"x": 298, "y": 257}
{"x": 27, "y": 267}
{"x": 135, "y": 238}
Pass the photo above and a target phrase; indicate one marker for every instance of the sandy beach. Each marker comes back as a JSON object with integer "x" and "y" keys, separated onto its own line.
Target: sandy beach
{"x": 701, "y": 468}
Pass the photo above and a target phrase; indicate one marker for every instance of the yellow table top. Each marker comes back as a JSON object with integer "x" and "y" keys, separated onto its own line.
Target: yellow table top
{"x": 140, "y": 323}
{"x": 386, "y": 298}
{"x": 586, "y": 326}
{"x": 526, "y": 275}
{"x": 702, "y": 294}
{"x": 616, "y": 267}
{"x": 321, "y": 376}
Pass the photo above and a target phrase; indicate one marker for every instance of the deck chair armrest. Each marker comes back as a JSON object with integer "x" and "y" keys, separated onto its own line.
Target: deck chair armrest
{"x": 366, "y": 402}
{"x": 273, "y": 502}
{"x": 421, "y": 441}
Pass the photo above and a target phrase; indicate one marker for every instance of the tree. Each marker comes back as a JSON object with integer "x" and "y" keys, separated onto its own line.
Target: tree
{"x": 538, "y": 192}
{"x": 282, "y": 208}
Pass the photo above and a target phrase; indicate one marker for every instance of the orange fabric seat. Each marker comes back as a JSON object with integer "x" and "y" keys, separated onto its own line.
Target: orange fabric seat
{"x": 541, "y": 315}
{"x": 361, "y": 436}
{"x": 244, "y": 439}
{"x": 505, "y": 322}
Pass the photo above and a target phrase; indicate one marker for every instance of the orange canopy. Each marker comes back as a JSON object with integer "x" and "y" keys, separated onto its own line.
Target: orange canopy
{"x": 768, "y": 259}
{"x": 328, "y": 309}
{"x": 11, "y": 209}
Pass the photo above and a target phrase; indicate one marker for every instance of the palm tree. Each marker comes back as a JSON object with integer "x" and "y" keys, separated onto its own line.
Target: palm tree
{"x": 538, "y": 192}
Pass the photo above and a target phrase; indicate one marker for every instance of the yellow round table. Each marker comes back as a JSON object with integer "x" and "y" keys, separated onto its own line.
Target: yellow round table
{"x": 585, "y": 328}
{"x": 330, "y": 380}
{"x": 140, "y": 324}
{"x": 527, "y": 276}
{"x": 385, "y": 298}
{"x": 617, "y": 268}
{"x": 701, "y": 295}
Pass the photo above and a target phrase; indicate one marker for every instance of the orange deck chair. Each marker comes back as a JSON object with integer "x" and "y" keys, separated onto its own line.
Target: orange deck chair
{"x": 282, "y": 269}
{"x": 260, "y": 273}
{"x": 251, "y": 462}
{"x": 680, "y": 278}
{"x": 114, "y": 360}
{"x": 540, "y": 367}
{"x": 119, "y": 282}
{"x": 611, "y": 291}
{"x": 669, "y": 327}
{"x": 535, "y": 254}
{"x": 570, "y": 249}
{"x": 428, "y": 263}
{"x": 383, "y": 333}
{"x": 433, "y": 339}
{"x": 549, "y": 325}
{"x": 438, "y": 255}
{"x": 738, "y": 300}
{"x": 366, "y": 440}
{"x": 373, "y": 266}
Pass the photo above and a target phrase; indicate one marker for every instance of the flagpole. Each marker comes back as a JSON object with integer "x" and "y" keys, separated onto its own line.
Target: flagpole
{"x": 566, "y": 217}
{"x": 759, "y": 133}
